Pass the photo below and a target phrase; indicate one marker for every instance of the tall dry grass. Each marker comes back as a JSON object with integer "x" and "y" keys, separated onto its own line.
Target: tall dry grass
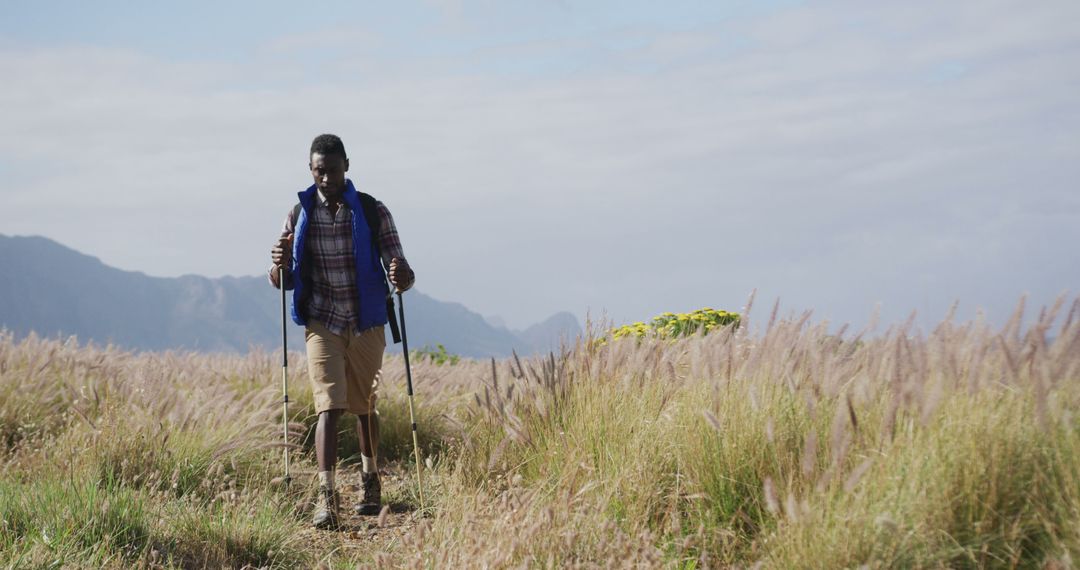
{"x": 785, "y": 447}
{"x": 780, "y": 446}
{"x": 110, "y": 458}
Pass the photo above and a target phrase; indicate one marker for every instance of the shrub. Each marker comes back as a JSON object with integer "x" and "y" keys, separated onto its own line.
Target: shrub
{"x": 438, "y": 355}
{"x": 675, "y": 325}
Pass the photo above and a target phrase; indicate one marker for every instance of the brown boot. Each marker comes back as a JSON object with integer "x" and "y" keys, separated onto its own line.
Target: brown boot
{"x": 371, "y": 504}
{"x": 326, "y": 508}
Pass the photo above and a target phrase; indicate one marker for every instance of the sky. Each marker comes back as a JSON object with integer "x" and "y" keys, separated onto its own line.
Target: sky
{"x": 611, "y": 159}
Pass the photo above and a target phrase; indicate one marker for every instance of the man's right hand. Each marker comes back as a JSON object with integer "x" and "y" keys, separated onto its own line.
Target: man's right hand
{"x": 281, "y": 254}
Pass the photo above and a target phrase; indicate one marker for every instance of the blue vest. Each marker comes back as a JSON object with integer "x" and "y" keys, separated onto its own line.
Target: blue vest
{"x": 370, "y": 277}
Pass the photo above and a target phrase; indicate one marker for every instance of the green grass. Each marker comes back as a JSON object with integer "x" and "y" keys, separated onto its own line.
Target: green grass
{"x": 58, "y": 523}
{"x": 52, "y": 523}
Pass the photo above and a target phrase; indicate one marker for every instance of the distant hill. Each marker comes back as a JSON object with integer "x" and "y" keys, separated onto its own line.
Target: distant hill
{"x": 557, "y": 328}
{"x": 54, "y": 290}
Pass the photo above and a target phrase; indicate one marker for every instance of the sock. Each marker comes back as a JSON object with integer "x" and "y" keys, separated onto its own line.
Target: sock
{"x": 326, "y": 479}
{"x": 369, "y": 464}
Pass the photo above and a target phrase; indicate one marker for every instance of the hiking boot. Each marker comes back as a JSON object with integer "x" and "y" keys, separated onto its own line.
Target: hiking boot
{"x": 372, "y": 501}
{"x": 326, "y": 508}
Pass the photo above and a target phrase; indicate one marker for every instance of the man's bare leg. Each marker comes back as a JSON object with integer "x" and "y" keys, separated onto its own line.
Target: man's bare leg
{"x": 367, "y": 430}
{"x": 326, "y": 439}
{"x": 326, "y": 442}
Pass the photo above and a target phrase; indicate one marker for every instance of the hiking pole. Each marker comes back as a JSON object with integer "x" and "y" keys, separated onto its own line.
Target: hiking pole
{"x": 408, "y": 383}
{"x": 284, "y": 373}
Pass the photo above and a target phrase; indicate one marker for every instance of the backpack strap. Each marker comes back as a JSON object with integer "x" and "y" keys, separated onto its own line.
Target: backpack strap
{"x": 371, "y": 214}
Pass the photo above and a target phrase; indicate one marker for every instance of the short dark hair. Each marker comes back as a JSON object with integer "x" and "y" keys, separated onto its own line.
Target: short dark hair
{"x": 327, "y": 145}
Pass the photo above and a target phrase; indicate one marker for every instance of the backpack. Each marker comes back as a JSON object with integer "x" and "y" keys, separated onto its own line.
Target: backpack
{"x": 371, "y": 214}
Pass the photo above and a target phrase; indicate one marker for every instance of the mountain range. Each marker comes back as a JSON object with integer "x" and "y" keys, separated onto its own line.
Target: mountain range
{"x": 54, "y": 290}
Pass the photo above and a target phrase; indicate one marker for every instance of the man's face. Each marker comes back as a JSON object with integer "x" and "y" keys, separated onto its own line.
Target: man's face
{"x": 329, "y": 174}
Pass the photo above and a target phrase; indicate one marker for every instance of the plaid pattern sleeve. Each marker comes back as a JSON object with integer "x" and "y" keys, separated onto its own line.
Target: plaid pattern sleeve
{"x": 286, "y": 229}
{"x": 389, "y": 241}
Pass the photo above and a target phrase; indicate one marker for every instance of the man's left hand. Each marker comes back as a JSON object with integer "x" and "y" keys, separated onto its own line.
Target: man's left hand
{"x": 401, "y": 275}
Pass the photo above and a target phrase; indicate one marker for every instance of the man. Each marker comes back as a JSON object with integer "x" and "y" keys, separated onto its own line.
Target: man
{"x": 330, "y": 248}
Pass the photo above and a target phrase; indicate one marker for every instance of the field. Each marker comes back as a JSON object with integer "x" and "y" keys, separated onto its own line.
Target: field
{"x": 776, "y": 444}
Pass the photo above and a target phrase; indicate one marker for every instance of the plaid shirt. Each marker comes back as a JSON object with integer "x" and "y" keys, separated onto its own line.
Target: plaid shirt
{"x": 329, "y": 250}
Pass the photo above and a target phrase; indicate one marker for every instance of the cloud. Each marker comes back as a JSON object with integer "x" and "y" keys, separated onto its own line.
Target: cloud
{"x": 816, "y": 153}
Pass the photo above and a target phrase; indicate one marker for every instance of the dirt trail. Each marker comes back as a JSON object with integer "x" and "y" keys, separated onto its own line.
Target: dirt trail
{"x": 358, "y": 533}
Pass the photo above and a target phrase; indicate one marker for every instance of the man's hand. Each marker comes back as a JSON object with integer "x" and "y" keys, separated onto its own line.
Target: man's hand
{"x": 281, "y": 254}
{"x": 401, "y": 275}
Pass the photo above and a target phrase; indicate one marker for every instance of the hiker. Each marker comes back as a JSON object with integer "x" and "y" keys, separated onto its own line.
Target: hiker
{"x": 330, "y": 248}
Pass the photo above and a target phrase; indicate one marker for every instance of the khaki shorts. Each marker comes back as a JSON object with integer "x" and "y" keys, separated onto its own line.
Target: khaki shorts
{"x": 344, "y": 369}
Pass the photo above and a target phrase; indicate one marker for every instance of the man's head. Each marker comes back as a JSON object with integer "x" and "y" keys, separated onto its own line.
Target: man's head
{"x": 328, "y": 163}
